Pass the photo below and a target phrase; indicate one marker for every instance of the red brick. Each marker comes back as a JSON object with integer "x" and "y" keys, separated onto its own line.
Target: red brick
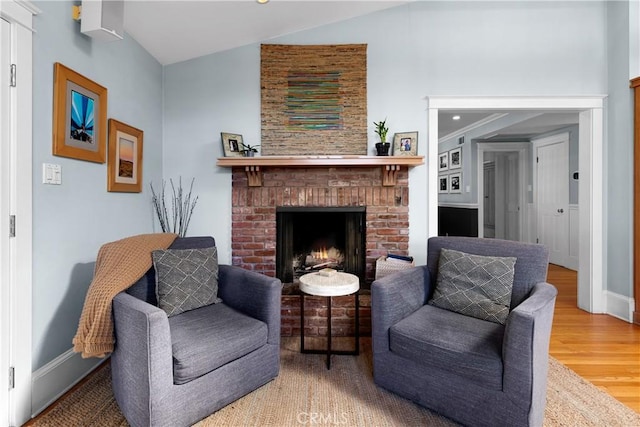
{"x": 253, "y": 211}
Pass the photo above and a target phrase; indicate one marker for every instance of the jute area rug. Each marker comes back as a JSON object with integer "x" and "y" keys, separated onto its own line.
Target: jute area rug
{"x": 306, "y": 393}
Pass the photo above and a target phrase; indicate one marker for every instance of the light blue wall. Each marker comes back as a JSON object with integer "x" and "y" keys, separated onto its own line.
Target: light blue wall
{"x": 619, "y": 153}
{"x": 203, "y": 97}
{"x": 71, "y": 221}
{"x": 414, "y": 51}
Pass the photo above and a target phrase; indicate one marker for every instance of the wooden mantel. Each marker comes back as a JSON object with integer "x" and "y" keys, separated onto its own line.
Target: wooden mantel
{"x": 253, "y": 165}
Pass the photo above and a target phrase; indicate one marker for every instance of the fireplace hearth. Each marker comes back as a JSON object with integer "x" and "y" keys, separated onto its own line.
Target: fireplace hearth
{"x": 310, "y": 239}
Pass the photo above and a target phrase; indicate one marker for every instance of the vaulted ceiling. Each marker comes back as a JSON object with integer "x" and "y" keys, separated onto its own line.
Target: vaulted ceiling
{"x": 174, "y": 31}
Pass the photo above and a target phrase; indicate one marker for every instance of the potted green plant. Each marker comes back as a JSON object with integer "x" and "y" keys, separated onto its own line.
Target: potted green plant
{"x": 249, "y": 150}
{"x": 382, "y": 147}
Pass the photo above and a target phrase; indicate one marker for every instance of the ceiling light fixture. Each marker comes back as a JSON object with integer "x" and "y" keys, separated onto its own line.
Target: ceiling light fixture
{"x": 263, "y": 1}
{"x": 456, "y": 117}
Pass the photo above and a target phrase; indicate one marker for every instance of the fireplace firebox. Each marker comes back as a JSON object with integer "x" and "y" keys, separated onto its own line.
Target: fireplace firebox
{"x": 312, "y": 238}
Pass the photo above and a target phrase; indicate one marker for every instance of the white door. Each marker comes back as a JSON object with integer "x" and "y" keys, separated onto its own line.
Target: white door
{"x": 552, "y": 196}
{"x": 16, "y": 185}
{"x": 489, "y": 203}
{"x": 507, "y": 195}
{"x": 512, "y": 197}
{"x": 5, "y": 290}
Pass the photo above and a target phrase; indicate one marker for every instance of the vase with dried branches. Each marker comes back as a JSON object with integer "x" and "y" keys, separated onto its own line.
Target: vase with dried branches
{"x": 177, "y": 218}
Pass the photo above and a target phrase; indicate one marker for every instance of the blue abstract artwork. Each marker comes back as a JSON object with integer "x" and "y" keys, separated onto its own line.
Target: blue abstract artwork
{"x": 82, "y": 117}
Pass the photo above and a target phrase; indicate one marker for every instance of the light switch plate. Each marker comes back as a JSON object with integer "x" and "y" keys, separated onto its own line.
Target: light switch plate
{"x": 51, "y": 174}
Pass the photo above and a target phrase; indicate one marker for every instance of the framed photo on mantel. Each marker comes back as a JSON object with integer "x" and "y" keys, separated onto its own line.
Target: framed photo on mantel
{"x": 232, "y": 144}
{"x": 405, "y": 144}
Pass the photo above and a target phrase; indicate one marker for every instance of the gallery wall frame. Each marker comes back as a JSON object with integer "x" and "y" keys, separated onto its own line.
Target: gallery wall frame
{"x": 124, "y": 164}
{"x": 405, "y": 144}
{"x": 79, "y": 116}
{"x": 232, "y": 144}
{"x": 455, "y": 182}
{"x": 443, "y": 161}
{"x": 455, "y": 158}
{"x": 443, "y": 184}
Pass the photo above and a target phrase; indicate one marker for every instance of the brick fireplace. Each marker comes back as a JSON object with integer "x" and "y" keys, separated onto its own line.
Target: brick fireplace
{"x": 253, "y": 239}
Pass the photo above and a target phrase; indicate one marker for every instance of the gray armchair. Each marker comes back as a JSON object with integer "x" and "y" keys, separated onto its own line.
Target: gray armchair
{"x": 175, "y": 371}
{"x": 473, "y": 371}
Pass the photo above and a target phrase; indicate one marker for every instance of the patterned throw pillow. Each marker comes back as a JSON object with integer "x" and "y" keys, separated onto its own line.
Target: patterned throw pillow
{"x": 474, "y": 285}
{"x": 186, "y": 279}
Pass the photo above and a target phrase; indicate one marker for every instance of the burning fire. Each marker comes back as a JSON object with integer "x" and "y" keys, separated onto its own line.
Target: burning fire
{"x": 320, "y": 254}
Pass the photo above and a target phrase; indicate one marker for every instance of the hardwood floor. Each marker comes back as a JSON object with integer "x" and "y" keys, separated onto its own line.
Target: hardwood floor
{"x": 600, "y": 348}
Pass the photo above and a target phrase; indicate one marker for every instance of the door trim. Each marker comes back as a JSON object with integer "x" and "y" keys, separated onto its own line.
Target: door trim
{"x": 591, "y": 164}
{"x": 635, "y": 84}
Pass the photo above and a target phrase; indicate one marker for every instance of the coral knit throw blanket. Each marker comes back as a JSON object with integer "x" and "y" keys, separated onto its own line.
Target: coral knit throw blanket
{"x": 119, "y": 265}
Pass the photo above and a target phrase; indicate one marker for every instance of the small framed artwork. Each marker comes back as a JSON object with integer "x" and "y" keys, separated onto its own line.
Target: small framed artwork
{"x": 455, "y": 158}
{"x": 79, "y": 116}
{"x": 124, "y": 164}
{"x": 443, "y": 184}
{"x": 443, "y": 161}
{"x": 232, "y": 144}
{"x": 455, "y": 183}
{"x": 405, "y": 144}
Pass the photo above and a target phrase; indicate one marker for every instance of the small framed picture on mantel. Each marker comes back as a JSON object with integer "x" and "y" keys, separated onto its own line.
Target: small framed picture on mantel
{"x": 232, "y": 144}
{"x": 405, "y": 144}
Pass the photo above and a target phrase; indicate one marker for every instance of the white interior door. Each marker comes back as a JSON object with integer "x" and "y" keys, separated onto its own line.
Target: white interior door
{"x": 552, "y": 196}
{"x": 489, "y": 203}
{"x": 512, "y": 197}
{"x": 5, "y": 283}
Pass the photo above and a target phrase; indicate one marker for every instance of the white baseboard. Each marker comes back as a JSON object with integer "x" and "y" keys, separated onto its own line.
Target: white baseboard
{"x": 619, "y": 306}
{"x": 52, "y": 380}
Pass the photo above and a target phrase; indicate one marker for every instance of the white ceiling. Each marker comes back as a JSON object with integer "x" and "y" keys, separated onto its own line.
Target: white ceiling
{"x": 174, "y": 31}
{"x": 526, "y": 125}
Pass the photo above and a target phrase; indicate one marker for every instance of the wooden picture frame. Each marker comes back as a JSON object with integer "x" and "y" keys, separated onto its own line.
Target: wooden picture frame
{"x": 455, "y": 158}
{"x": 443, "y": 184}
{"x": 232, "y": 144}
{"x": 405, "y": 144}
{"x": 455, "y": 183}
{"x": 124, "y": 165}
{"x": 443, "y": 161}
{"x": 79, "y": 116}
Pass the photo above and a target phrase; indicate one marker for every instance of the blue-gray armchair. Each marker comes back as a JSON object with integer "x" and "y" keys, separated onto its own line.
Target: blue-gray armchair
{"x": 474, "y": 371}
{"x": 174, "y": 371}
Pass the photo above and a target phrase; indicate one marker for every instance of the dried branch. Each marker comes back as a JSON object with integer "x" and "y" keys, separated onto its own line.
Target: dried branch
{"x": 181, "y": 208}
